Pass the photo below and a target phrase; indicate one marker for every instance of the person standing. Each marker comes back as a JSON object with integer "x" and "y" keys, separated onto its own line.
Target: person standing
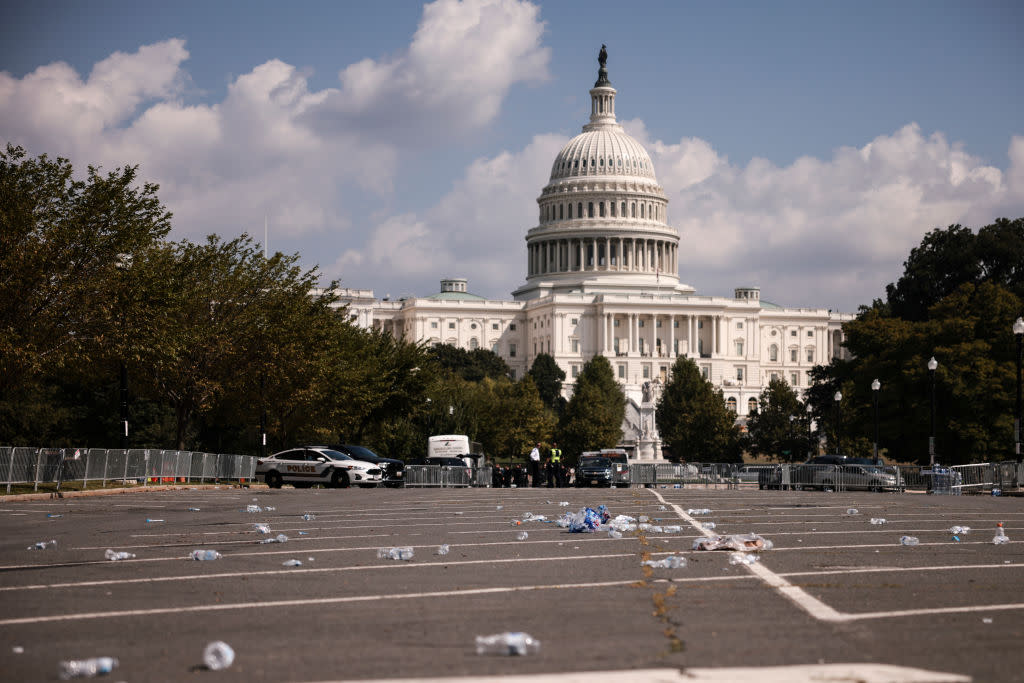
{"x": 535, "y": 466}
{"x": 555, "y": 466}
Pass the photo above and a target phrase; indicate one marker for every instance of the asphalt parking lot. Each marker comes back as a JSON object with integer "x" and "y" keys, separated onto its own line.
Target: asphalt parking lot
{"x": 835, "y": 590}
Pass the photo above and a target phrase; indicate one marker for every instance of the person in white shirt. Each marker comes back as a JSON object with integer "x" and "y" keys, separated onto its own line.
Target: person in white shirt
{"x": 535, "y": 466}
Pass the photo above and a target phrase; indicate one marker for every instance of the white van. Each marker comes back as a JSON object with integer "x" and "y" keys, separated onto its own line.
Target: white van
{"x": 452, "y": 446}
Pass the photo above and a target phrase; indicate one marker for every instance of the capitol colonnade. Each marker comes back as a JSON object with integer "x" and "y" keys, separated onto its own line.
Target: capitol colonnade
{"x": 602, "y": 253}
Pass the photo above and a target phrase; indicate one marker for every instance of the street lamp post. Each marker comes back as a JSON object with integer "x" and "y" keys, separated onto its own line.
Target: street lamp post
{"x": 1018, "y": 331}
{"x": 810, "y": 436}
{"x": 875, "y": 386}
{"x": 932, "y": 364}
{"x": 839, "y": 418}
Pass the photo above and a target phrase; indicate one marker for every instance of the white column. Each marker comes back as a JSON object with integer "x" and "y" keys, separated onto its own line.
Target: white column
{"x": 671, "y": 336}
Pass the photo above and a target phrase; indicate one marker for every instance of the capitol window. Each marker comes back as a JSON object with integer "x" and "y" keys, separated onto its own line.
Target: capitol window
{"x": 601, "y": 209}
{"x": 433, "y": 325}
{"x": 623, "y": 209}
{"x": 561, "y": 211}
{"x": 810, "y": 355}
{"x": 579, "y": 209}
{"x": 570, "y": 211}
{"x": 773, "y": 353}
{"x": 590, "y": 209}
{"x": 611, "y": 208}
{"x": 511, "y": 327}
{"x": 511, "y": 350}
{"x": 633, "y": 209}
{"x": 451, "y": 326}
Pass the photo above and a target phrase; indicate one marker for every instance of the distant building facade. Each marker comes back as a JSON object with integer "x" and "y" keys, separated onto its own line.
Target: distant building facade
{"x": 602, "y": 278}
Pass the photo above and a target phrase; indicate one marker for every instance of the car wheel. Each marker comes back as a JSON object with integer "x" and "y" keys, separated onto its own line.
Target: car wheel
{"x": 339, "y": 479}
{"x": 273, "y": 480}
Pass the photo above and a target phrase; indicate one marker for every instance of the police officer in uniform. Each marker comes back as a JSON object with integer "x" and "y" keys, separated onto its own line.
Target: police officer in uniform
{"x": 555, "y": 466}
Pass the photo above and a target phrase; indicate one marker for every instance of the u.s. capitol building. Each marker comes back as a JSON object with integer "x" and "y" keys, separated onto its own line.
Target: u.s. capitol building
{"x": 602, "y": 278}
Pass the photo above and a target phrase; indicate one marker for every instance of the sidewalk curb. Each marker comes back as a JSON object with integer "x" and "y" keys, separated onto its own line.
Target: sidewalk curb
{"x": 117, "y": 492}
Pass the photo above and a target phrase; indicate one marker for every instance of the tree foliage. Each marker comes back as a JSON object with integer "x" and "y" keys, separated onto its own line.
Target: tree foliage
{"x": 593, "y": 417}
{"x": 473, "y": 365}
{"x": 775, "y": 428}
{"x": 693, "y": 419}
{"x": 548, "y": 377}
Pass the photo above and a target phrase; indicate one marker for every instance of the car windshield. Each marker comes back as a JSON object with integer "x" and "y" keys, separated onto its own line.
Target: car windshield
{"x": 360, "y": 452}
{"x": 335, "y": 455}
{"x": 596, "y": 462}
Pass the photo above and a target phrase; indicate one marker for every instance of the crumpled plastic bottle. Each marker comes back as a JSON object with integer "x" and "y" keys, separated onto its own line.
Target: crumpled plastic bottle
{"x": 280, "y": 538}
{"x": 909, "y": 540}
{"x": 852, "y": 511}
{"x": 959, "y": 530}
{"x": 205, "y": 555}
{"x": 743, "y": 558}
{"x": 402, "y": 553}
{"x": 292, "y": 563}
{"x": 309, "y": 516}
{"x": 443, "y": 549}
{"x": 614, "y": 533}
{"x": 522, "y": 536}
{"x": 670, "y": 562}
{"x": 878, "y": 520}
{"x": 218, "y": 655}
{"x": 262, "y": 528}
{"x": 512, "y": 644}
{"x": 1000, "y": 537}
{"x": 253, "y": 508}
{"x": 87, "y": 668}
{"x": 698, "y": 511}
{"x": 708, "y": 525}
{"x": 115, "y": 555}
{"x": 43, "y": 545}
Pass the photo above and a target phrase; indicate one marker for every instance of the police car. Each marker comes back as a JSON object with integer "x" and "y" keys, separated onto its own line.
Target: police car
{"x": 303, "y": 467}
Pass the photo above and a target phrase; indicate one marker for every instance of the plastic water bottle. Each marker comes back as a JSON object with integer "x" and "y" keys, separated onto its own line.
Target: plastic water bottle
{"x": 205, "y": 555}
{"x": 614, "y": 534}
{"x": 87, "y": 668}
{"x": 404, "y": 553}
{"x": 280, "y": 538}
{"x": 53, "y": 515}
{"x": 744, "y": 558}
{"x": 114, "y": 555}
{"x": 500, "y": 507}
{"x": 270, "y": 508}
{"x": 698, "y": 511}
{"x": 852, "y": 511}
{"x": 443, "y": 549}
{"x": 193, "y": 509}
{"x": 878, "y": 520}
{"x": 959, "y": 530}
{"x": 997, "y": 492}
{"x": 511, "y": 644}
{"x": 674, "y": 529}
{"x": 564, "y": 504}
{"x": 522, "y": 536}
{"x": 262, "y": 528}
{"x": 150, "y": 520}
{"x": 218, "y": 655}
{"x": 292, "y": 563}
{"x": 43, "y": 545}
{"x": 253, "y": 508}
{"x": 670, "y": 562}
{"x": 1000, "y": 537}
{"x": 309, "y": 517}
{"x": 909, "y": 540}
{"x": 708, "y": 525}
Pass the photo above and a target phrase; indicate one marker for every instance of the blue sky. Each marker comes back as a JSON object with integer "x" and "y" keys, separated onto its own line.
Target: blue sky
{"x": 805, "y": 147}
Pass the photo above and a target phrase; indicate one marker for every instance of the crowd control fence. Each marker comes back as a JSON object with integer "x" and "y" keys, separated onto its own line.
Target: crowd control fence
{"x": 35, "y": 466}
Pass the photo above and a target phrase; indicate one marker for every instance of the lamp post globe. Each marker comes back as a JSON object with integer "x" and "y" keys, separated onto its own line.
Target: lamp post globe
{"x": 932, "y": 365}
{"x": 809, "y": 410}
{"x": 839, "y": 418}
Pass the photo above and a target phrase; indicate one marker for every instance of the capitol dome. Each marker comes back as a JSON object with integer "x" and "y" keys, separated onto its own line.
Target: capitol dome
{"x": 603, "y": 215}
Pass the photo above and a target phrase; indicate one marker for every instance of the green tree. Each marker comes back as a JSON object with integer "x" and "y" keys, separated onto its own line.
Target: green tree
{"x": 693, "y": 419}
{"x": 593, "y": 417}
{"x": 548, "y": 377}
{"x": 773, "y": 429}
{"x": 470, "y": 365}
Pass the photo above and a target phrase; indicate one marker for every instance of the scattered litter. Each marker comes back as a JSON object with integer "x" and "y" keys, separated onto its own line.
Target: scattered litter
{"x": 662, "y": 507}
{"x": 564, "y": 504}
{"x": 204, "y": 555}
{"x": 909, "y": 540}
{"x": 309, "y": 516}
{"x": 997, "y": 492}
{"x": 292, "y": 563}
{"x": 698, "y": 511}
{"x": 501, "y": 507}
{"x": 1000, "y": 537}
{"x": 739, "y": 542}
{"x": 459, "y": 512}
{"x": 442, "y": 549}
{"x": 115, "y": 555}
{"x": 643, "y": 519}
{"x": 878, "y": 520}
{"x": 670, "y": 562}
{"x": 253, "y": 508}
{"x": 527, "y": 516}
{"x": 193, "y": 509}
{"x": 87, "y": 668}
{"x": 516, "y": 522}
{"x": 743, "y": 558}
{"x": 708, "y": 525}
{"x": 43, "y": 545}
{"x": 960, "y": 530}
{"x": 403, "y": 553}
{"x": 986, "y": 620}
{"x": 674, "y": 529}
{"x": 522, "y": 536}
{"x": 262, "y": 528}
{"x": 18, "y": 650}
{"x": 280, "y": 538}
{"x": 303, "y": 533}
{"x": 586, "y": 520}
{"x": 614, "y": 534}
{"x": 269, "y": 508}
{"x": 218, "y": 655}
{"x": 511, "y": 644}
{"x": 538, "y": 518}
{"x": 53, "y": 515}
{"x": 150, "y": 520}
{"x": 852, "y": 511}
{"x": 311, "y": 559}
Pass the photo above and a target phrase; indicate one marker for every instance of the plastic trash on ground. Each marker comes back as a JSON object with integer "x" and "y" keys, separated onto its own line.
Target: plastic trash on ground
{"x": 564, "y": 504}
{"x": 878, "y": 520}
{"x": 672, "y": 529}
{"x": 86, "y": 668}
{"x": 909, "y": 540}
{"x": 1000, "y": 537}
{"x": 670, "y": 562}
{"x": 852, "y": 511}
{"x": 613, "y": 533}
{"x": 510, "y": 644}
{"x": 280, "y": 538}
{"x": 292, "y": 563}
{"x": 744, "y": 558}
{"x": 737, "y": 542}
{"x": 205, "y": 555}
{"x": 402, "y": 553}
{"x": 43, "y": 545}
{"x": 253, "y": 508}
{"x": 586, "y": 520}
{"x": 442, "y": 549}
{"x": 115, "y": 555}
{"x": 218, "y": 655}
{"x": 150, "y": 520}
{"x": 698, "y": 511}
{"x": 193, "y": 509}
{"x": 262, "y": 528}
{"x": 959, "y": 530}
{"x": 53, "y": 515}
{"x": 522, "y": 536}
{"x": 309, "y": 516}
{"x": 708, "y": 525}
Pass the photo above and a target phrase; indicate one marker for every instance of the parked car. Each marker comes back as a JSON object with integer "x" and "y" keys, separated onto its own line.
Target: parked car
{"x": 308, "y": 465}
{"x": 864, "y": 477}
{"x": 594, "y": 470}
{"x": 619, "y": 461}
{"x": 393, "y": 470}
{"x": 750, "y": 474}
